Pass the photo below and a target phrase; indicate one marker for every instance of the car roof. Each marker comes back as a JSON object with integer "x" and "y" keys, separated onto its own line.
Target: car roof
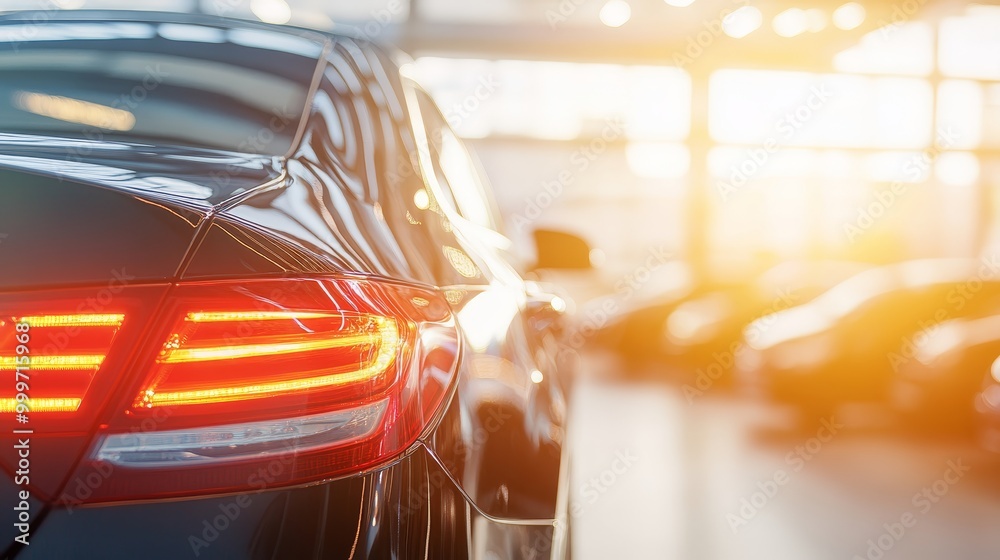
{"x": 288, "y": 52}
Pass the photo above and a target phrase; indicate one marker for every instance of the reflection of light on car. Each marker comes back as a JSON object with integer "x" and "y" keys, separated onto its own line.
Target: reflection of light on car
{"x": 482, "y": 314}
{"x": 461, "y": 262}
{"x": 421, "y": 200}
{"x": 992, "y": 395}
{"x": 74, "y": 110}
{"x": 804, "y": 353}
{"x": 271, "y": 11}
{"x": 698, "y": 320}
{"x": 785, "y": 325}
{"x": 995, "y": 370}
{"x": 940, "y": 344}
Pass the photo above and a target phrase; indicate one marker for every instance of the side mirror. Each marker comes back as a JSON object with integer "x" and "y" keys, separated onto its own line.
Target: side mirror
{"x": 561, "y": 250}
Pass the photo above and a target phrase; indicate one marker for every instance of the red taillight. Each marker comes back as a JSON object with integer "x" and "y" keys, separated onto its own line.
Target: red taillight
{"x": 272, "y": 383}
{"x": 55, "y": 378}
{"x": 289, "y": 353}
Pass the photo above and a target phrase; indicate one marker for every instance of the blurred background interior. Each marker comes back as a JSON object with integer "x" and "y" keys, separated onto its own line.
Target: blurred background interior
{"x": 788, "y": 336}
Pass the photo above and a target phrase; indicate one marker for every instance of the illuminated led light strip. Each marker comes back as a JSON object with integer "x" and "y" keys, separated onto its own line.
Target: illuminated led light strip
{"x": 52, "y": 362}
{"x": 383, "y": 359}
{"x": 91, "y": 320}
{"x": 185, "y": 355}
{"x": 57, "y": 404}
{"x": 225, "y": 317}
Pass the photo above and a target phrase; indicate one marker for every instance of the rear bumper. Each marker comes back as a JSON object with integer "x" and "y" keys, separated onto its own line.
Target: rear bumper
{"x": 409, "y": 509}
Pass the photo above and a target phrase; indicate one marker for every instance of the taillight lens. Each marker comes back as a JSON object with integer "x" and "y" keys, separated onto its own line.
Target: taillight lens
{"x": 275, "y": 382}
{"x": 56, "y": 377}
{"x": 63, "y": 354}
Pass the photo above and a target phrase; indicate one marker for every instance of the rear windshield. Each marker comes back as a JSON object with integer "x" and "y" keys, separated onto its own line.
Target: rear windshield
{"x": 240, "y": 90}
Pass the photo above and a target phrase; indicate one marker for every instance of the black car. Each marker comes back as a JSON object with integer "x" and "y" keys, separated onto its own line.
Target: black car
{"x": 255, "y": 303}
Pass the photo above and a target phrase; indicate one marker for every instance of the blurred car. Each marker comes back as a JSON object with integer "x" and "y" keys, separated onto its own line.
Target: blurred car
{"x": 255, "y": 304}
{"x": 844, "y": 345}
{"x": 935, "y": 389}
{"x": 703, "y": 334}
{"x": 987, "y": 406}
{"x": 629, "y": 320}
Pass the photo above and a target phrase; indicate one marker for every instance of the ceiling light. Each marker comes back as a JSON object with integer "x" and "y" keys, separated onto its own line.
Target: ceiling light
{"x": 616, "y": 13}
{"x": 849, "y": 16}
{"x": 742, "y": 22}
{"x": 790, "y": 23}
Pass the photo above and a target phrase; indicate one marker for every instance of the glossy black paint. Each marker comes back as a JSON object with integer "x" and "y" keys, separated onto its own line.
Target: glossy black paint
{"x": 112, "y": 236}
{"x": 355, "y": 198}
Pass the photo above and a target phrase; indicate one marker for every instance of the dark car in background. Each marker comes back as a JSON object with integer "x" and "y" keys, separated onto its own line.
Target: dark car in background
{"x": 987, "y": 407}
{"x": 255, "y": 300}
{"x": 695, "y": 328}
{"x": 935, "y": 390}
{"x": 847, "y": 344}
{"x": 705, "y": 333}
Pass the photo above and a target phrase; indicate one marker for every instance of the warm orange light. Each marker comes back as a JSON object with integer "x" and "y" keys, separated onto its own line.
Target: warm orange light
{"x": 386, "y": 339}
{"x": 231, "y": 316}
{"x": 186, "y": 355}
{"x": 53, "y": 362}
{"x": 42, "y": 405}
{"x": 86, "y": 320}
{"x": 76, "y": 111}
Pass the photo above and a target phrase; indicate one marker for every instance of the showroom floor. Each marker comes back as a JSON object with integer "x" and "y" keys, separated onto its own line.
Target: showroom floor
{"x": 719, "y": 479}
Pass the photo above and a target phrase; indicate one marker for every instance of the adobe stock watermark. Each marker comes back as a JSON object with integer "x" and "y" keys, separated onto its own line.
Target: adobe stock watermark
{"x": 381, "y": 18}
{"x": 954, "y": 302}
{"x": 902, "y": 12}
{"x": 596, "y": 318}
{"x": 458, "y": 112}
{"x": 83, "y": 486}
{"x": 768, "y": 489}
{"x": 885, "y": 199}
{"x": 590, "y": 492}
{"x": 579, "y": 161}
{"x": 596, "y": 486}
{"x": 563, "y": 11}
{"x": 699, "y": 43}
{"x": 96, "y": 304}
{"x": 124, "y": 104}
{"x": 707, "y": 376}
{"x": 28, "y": 30}
{"x": 496, "y": 419}
{"x": 923, "y": 501}
{"x": 213, "y": 527}
{"x": 786, "y": 127}
{"x": 407, "y": 166}
{"x": 282, "y": 118}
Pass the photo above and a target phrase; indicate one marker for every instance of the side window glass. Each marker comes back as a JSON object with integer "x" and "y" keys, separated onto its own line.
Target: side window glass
{"x": 359, "y": 168}
{"x": 455, "y": 169}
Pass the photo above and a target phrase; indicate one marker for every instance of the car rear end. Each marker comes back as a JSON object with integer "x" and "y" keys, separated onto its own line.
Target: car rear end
{"x": 222, "y": 339}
